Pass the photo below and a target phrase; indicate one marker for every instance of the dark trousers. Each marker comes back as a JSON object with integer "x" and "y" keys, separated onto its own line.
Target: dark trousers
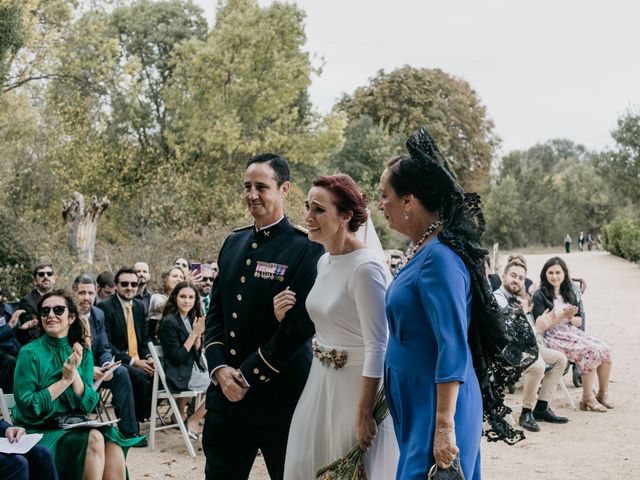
{"x": 231, "y": 445}
{"x": 36, "y": 463}
{"x": 141, "y": 383}
{"x": 123, "y": 401}
{"x": 7, "y": 367}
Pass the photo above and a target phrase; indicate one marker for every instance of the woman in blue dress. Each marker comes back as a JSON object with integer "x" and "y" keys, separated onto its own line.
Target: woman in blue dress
{"x": 433, "y": 391}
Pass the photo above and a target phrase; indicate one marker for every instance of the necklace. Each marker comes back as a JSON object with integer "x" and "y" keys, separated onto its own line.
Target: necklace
{"x": 411, "y": 251}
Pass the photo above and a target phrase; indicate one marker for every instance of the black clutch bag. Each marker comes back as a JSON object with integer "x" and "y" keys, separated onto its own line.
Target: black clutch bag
{"x": 452, "y": 472}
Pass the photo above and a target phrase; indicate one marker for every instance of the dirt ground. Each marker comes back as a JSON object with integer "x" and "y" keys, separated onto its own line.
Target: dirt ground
{"x": 591, "y": 445}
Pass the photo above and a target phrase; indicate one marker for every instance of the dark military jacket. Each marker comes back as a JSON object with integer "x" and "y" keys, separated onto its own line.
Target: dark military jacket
{"x": 241, "y": 328}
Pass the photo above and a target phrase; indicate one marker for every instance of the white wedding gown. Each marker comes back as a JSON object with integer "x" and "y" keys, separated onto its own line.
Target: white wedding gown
{"x": 346, "y": 305}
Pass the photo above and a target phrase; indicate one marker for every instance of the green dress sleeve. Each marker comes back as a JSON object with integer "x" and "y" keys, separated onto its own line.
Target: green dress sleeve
{"x": 88, "y": 401}
{"x": 33, "y": 401}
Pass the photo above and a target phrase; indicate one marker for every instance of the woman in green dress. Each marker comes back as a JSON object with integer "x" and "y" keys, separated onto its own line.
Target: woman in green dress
{"x": 54, "y": 377}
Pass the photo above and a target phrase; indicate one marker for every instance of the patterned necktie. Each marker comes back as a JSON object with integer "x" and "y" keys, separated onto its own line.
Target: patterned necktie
{"x": 131, "y": 334}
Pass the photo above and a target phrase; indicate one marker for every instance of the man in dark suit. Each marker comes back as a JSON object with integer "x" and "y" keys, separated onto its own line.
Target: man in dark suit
{"x": 118, "y": 381}
{"x": 44, "y": 279}
{"x": 127, "y": 333}
{"x": 258, "y": 365}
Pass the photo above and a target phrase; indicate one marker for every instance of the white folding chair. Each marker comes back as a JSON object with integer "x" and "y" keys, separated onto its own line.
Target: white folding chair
{"x": 7, "y": 401}
{"x": 563, "y": 387}
{"x": 161, "y": 391}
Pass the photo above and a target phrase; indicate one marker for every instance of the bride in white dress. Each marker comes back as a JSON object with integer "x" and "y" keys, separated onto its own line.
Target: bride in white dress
{"x": 346, "y": 305}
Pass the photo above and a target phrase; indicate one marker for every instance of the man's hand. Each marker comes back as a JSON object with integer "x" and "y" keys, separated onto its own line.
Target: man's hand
{"x": 145, "y": 366}
{"x": 15, "y": 317}
{"x": 14, "y": 434}
{"x": 98, "y": 374}
{"x": 233, "y": 385}
{"x": 29, "y": 324}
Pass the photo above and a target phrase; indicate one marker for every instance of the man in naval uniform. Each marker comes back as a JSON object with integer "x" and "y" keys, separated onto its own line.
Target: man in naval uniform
{"x": 258, "y": 365}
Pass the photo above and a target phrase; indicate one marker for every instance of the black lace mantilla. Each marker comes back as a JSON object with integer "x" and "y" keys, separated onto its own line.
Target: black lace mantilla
{"x": 502, "y": 342}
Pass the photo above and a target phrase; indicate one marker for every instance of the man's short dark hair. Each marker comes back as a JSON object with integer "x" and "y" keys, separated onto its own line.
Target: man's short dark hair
{"x": 124, "y": 271}
{"x": 279, "y": 165}
{"x": 39, "y": 267}
{"x": 106, "y": 279}
{"x": 84, "y": 279}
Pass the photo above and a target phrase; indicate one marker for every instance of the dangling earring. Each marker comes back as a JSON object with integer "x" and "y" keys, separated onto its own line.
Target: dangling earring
{"x": 406, "y": 216}
{"x": 342, "y": 225}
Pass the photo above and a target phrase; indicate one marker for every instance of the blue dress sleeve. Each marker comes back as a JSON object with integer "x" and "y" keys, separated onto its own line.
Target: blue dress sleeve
{"x": 444, "y": 286}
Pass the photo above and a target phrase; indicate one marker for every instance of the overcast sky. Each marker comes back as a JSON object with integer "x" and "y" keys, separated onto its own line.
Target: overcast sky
{"x": 544, "y": 69}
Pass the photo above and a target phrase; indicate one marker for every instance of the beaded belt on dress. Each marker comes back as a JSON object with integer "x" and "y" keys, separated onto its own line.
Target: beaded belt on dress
{"x": 337, "y": 357}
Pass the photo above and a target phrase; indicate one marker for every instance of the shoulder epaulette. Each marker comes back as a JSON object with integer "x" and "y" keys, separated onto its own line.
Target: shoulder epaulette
{"x": 240, "y": 229}
{"x": 301, "y": 229}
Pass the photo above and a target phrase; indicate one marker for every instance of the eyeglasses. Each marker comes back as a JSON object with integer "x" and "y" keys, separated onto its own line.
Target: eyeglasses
{"x": 208, "y": 279}
{"x": 180, "y": 264}
{"x": 126, "y": 284}
{"x": 57, "y": 310}
{"x": 42, "y": 274}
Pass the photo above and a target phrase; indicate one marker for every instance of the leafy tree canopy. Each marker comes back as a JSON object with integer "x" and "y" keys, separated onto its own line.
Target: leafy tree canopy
{"x": 408, "y": 98}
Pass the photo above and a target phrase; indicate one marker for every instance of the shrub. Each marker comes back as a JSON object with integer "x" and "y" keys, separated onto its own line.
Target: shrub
{"x": 622, "y": 238}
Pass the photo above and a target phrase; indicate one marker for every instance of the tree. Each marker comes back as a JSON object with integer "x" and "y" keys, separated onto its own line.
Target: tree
{"x": 621, "y": 167}
{"x": 503, "y": 214}
{"x": 11, "y": 33}
{"x": 408, "y": 98}
{"x": 241, "y": 92}
{"x": 367, "y": 146}
{"x": 82, "y": 221}
{"x": 148, "y": 34}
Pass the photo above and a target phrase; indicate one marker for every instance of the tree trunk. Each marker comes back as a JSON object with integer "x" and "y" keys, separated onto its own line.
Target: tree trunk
{"x": 83, "y": 225}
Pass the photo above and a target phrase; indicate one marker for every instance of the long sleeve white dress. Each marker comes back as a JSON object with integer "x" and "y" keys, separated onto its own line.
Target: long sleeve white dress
{"x": 346, "y": 305}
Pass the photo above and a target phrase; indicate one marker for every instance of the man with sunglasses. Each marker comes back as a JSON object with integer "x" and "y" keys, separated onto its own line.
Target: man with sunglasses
{"x": 44, "y": 279}
{"x": 205, "y": 284}
{"x": 125, "y": 323}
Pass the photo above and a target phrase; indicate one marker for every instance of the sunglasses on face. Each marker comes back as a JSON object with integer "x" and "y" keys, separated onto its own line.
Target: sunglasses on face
{"x": 57, "y": 310}
{"x": 42, "y": 274}
{"x": 126, "y": 284}
{"x": 208, "y": 279}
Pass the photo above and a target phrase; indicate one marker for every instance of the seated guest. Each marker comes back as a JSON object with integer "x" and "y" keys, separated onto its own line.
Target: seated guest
{"x": 180, "y": 335}
{"x": 36, "y": 462}
{"x": 106, "y": 284}
{"x": 168, "y": 281}
{"x": 56, "y": 379}
{"x": 205, "y": 284}
{"x": 127, "y": 334}
{"x": 561, "y": 327}
{"x": 529, "y": 285}
{"x": 143, "y": 294}
{"x": 9, "y": 344}
{"x": 534, "y": 406}
{"x": 44, "y": 279}
{"x": 118, "y": 381}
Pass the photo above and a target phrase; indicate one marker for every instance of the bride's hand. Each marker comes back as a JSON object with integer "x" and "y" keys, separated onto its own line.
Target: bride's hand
{"x": 283, "y": 302}
{"x": 366, "y": 430}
